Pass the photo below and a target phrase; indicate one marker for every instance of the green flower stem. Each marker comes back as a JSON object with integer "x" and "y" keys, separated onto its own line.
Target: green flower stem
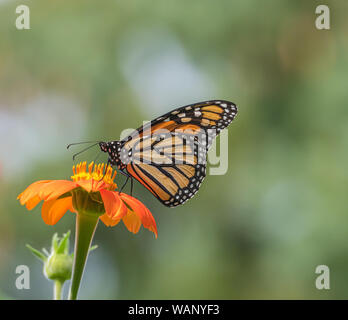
{"x": 58, "y": 285}
{"x": 85, "y": 227}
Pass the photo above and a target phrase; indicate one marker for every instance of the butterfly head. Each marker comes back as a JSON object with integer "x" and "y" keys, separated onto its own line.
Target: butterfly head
{"x": 103, "y": 146}
{"x": 113, "y": 149}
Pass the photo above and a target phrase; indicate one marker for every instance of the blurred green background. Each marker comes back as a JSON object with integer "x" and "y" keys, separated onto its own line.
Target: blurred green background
{"x": 87, "y": 71}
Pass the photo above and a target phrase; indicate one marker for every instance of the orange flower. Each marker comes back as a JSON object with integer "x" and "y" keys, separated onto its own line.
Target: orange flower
{"x": 91, "y": 192}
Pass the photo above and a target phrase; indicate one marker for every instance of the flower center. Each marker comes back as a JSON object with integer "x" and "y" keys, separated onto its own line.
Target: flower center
{"x": 96, "y": 173}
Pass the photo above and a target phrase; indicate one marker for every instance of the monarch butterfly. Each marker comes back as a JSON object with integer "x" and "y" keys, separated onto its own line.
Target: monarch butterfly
{"x": 168, "y": 155}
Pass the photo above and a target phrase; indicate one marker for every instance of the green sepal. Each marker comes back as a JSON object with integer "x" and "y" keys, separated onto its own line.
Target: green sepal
{"x": 37, "y": 253}
{"x": 55, "y": 239}
{"x": 63, "y": 246}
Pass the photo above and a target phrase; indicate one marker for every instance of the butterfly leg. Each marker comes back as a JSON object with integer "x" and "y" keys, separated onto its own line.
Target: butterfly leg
{"x": 125, "y": 183}
{"x": 131, "y": 193}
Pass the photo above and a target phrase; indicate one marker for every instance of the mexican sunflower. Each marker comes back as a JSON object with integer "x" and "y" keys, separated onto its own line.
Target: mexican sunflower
{"x": 91, "y": 195}
{"x": 91, "y": 192}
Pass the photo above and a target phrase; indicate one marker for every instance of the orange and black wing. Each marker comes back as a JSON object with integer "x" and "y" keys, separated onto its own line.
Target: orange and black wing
{"x": 168, "y": 155}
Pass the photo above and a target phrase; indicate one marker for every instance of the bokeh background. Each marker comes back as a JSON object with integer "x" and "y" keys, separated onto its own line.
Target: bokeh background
{"x": 87, "y": 71}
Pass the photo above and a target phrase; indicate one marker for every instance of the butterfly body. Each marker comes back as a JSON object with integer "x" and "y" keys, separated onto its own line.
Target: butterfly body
{"x": 113, "y": 148}
{"x": 168, "y": 155}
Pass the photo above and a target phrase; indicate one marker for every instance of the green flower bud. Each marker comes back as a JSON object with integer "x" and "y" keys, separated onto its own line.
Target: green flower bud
{"x": 58, "y": 267}
{"x": 57, "y": 263}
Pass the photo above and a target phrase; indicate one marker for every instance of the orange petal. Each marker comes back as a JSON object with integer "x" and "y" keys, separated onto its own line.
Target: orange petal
{"x": 31, "y": 191}
{"x": 92, "y": 185}
{"x": 32, "y": 203}
{"x": 113, "y": 204}
{"x": 53, "y": 210}
{"x": 141, "y": 211}
{"x": 55, "y": 188}
{"x": 132, "y": 221}
{"x": 85, "y": 184}
{"x": 99, "y": 185}
{"x": 108, "y": 221}
{"x": 150, "y": 222}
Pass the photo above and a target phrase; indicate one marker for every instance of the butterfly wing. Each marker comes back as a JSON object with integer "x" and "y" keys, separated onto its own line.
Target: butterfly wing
{"x": 208, "y": 117}
{"x": 172, "y": 168}
{"x": 168, "y": 155}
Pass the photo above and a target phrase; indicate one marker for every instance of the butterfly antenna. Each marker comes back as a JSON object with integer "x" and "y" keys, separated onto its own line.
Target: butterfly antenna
{"x": 77, "y": 143}
{"x": 83, "y": 150}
